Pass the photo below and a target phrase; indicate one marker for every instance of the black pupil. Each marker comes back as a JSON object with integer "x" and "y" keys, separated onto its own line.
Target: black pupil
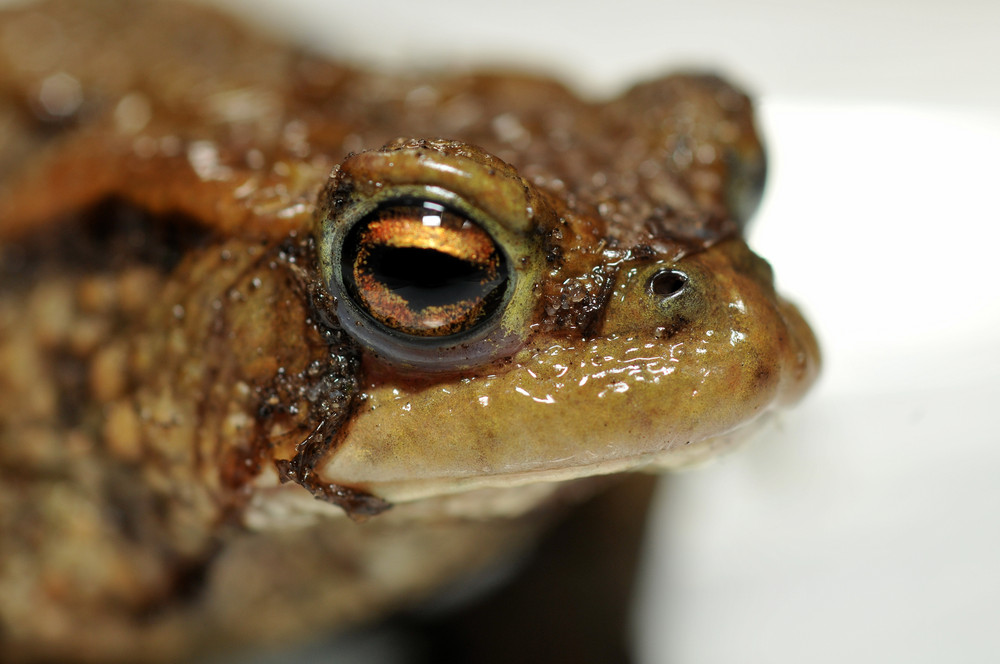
{"x": 428, "y": 278}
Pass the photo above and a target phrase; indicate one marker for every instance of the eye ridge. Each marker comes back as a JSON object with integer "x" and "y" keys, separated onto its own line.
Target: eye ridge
{"x": 420, "y": 269}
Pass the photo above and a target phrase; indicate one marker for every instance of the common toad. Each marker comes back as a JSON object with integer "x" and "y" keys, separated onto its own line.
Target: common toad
{"x": 248, "y": 293}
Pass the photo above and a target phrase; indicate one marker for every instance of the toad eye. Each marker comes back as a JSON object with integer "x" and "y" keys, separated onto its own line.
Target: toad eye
{"x": 432, "y": 255}
{"x": 422, "y": 269}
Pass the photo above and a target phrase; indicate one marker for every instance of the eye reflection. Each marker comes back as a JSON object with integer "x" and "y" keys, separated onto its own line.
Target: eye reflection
{"x": 432, "y": 214}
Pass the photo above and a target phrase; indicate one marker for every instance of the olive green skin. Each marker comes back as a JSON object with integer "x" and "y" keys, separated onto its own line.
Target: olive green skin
{"x": 677, "y": 374}
{"x": 187, "y": 422}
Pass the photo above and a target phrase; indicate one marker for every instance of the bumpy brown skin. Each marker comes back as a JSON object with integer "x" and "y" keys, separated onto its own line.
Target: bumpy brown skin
{"x": 169, "y": 354}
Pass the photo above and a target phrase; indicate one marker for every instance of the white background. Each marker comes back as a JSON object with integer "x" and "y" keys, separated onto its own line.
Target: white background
{"x": 867, "y": 527}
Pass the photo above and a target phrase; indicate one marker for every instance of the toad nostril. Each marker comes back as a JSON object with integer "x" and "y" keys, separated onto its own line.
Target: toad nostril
{"x": 667, "y": 283}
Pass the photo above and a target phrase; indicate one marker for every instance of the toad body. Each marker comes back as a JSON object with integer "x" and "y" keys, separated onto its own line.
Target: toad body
{"x": 282, "y": 334}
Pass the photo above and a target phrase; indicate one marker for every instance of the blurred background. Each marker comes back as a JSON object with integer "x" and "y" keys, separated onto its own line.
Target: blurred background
{"x": 865, "y": 525}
